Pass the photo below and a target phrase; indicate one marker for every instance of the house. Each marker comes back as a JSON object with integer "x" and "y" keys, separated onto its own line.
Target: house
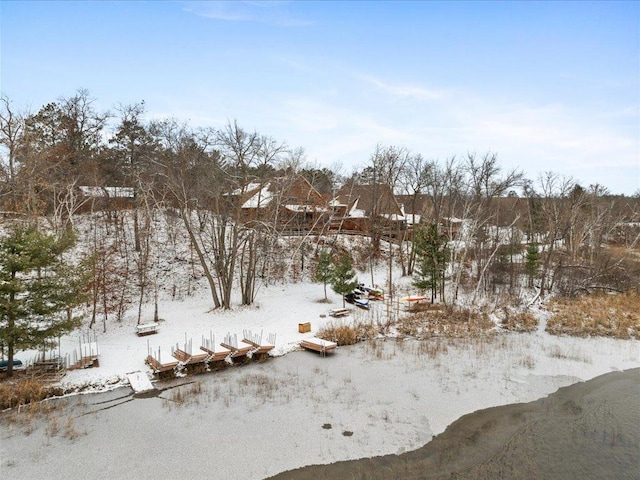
{"x": 105, "y": 198}
{"x": 291, "y": 203}
{"x": 363, "y": 208}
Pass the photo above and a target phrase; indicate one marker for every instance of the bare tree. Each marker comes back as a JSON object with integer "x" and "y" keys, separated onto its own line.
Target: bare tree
{"x": 134, "y": 148}
{"x": 413, "y": 183}
{"x": 556, "y": 202}
{"x": 58, "y": 147}
{"x": 11, "y": 127}
{"x": 191, "y": 174}
{"x": 485, "y": 184}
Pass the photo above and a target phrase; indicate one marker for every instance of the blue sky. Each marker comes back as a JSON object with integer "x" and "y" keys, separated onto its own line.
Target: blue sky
{"x": 548, "y": 86}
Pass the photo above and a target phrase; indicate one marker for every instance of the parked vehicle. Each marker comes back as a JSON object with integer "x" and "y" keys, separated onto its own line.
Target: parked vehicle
{"x": 17, "y": 365}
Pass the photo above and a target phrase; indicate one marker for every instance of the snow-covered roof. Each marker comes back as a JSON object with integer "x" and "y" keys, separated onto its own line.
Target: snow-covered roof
{"x": 247, "y": 188}
{"x": 336, "y": 203}
{"x": 260, "y": 199}
{"x": 357, "y": 212}
{"x": 304, "y": 208}
{"x": 394, "y": 216}
{"x": 110, "y": 192}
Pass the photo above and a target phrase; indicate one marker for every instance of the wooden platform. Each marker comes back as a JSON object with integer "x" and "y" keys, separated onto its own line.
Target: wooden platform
{"x": 339, "y": 312}
{"x": 318, "y": 345}
{"x": 215, "y": 354}
{"x": 239, "y": 350}
{"x": 88, "y": 356}
{"x": 259, "y": 344}
{"x": 139, "y": 382}
{"x": 258, "y": 347}
{"x": 161, "y": 361}
{"x": 187, "y": 358}
{"x": 85, "y": 362}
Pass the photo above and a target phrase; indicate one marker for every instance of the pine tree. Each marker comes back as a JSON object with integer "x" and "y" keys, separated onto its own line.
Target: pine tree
{"x": 343, "y": 280}
{"x": 532, "y": 262}
{"x": 37, "y": 290}
{"x": 324, "y": 269}
{"x": 432, "y": 257}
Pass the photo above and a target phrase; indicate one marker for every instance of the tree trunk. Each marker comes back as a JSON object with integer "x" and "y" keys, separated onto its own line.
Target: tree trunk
{"x": 203, "y": 263}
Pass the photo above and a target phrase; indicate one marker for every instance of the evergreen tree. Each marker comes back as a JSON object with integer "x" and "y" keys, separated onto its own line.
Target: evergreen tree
{"x": 343, "y": 280}
{"x": 324, "y": 269}
{"x": 532, "y": 262}
{"x": 37, "y": 290}
{"x": 432, "y": 257}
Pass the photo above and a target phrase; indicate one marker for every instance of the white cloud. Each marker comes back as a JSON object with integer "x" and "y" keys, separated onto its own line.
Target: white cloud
{"x": 270, "y": 12}
{"x": 331, "y": 132}
{"x": 411, "y": 91}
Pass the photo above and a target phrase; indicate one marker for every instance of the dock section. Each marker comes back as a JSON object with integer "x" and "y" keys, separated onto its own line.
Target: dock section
{"x": 260, "y": 345}
{"x": 139, "y": 382}
{"x": 318, "y": 345}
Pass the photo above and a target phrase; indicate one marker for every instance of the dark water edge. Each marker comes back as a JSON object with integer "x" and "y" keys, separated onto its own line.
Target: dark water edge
{"x": 590, "y": 430}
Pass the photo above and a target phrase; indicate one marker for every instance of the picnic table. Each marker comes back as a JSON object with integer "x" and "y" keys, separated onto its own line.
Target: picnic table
{"x": 146, "y": 329}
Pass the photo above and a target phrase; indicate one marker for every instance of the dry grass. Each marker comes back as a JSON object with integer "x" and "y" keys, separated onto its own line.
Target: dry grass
{"x": 24, "y": 391}
{"x": 258, "y": 385}
{"x": 518, "y": 321}
{"x": 527, "y": 361}
{"x": 605, "y": 315}
{"x": 448, "y": 322}
{"x": 182, "y": 395}
{"x": 563, "y": 353}
{"x": 348, "y": 333}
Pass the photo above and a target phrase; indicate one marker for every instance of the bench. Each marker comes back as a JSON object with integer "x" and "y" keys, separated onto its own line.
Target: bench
{"x": 146, "y": 329}
{"x": 339, "y": 312}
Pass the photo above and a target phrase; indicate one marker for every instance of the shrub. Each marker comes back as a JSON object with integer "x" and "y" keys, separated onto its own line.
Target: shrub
{"x": 348, "y": 334}
{"x": 597, "y": 315}
{"x": 518, "y": 321}
{"x": 23, "y": 392}
{"x": 449, "y": 322}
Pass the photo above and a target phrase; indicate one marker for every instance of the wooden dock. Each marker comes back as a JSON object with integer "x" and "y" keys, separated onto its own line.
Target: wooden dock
{"x": 161, "y": 361}
{"x": 216, "y": 352}
{"x": 238, "y": 348}
{"x": 188, "y": 358}
{"x": 139, "y": 382}
{"x": 87, "y": 355}
{"x": 318, "y": 345}
{"x": 260, "y": 346}
{"x": 210, "y": 354}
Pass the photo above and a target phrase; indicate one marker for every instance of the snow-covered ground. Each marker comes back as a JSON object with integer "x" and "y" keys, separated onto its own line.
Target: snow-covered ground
{"x": 281, "y": 307}
{"x": 385, "y": 396}
{"x": 278, "y": 310}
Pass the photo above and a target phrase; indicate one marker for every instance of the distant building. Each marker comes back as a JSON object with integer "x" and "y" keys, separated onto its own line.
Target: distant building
{"x": 106, "y": 198}
{"x": 361, "y": 208}
{"x": 290, "y": 203}
{"x": 107, "y": 192}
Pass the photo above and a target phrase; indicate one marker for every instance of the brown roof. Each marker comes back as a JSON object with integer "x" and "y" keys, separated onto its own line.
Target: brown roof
{"x": 372, "y": 199}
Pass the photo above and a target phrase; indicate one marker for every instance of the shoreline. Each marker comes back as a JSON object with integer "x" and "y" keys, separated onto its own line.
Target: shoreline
{"x": 587, "y": 430}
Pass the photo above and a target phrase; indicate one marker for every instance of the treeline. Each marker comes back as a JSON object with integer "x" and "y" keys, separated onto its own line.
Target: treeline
{"x": 486, "y": 230}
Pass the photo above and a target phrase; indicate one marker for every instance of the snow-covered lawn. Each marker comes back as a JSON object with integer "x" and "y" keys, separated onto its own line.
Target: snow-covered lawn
{"x": 384, "y": 396}
{"x": 281, "y": 307}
